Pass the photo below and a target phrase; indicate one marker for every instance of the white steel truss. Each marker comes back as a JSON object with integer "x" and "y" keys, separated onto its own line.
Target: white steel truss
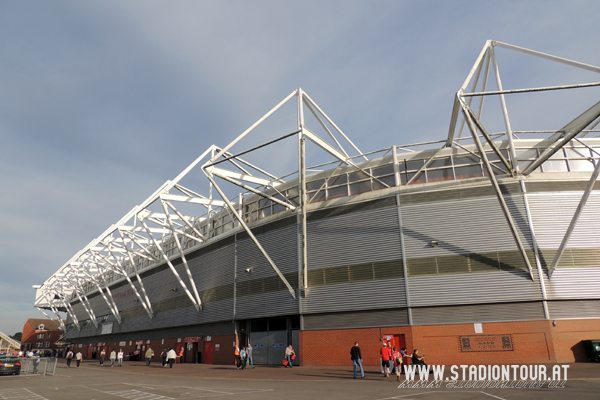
{"x": 146, "y": 236}
{"x": 160, "y": 231}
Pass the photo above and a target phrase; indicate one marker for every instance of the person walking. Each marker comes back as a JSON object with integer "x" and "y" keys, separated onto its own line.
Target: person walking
{"x": 171, "y": 356}
{"x": 403, "y": 355}
{"x": 120, "y": 358}
{"x": 163, "y": 355}
{"x": 243, "y": 357}
{"x": 113, "y": 357}
{"x": 289, "y": 355}
{"x": 249, "y": 356}
{"x": 35, "y": 361}
{"x": 102, "y": 357}
{"x": 237, "y": 357}
{"x": 78, "y": 358}
{"x": 397, "y": 360}
{"x": 69, "y": 358}
{"x": 386, "y": 355}
{"x": 356, "y": 357}
{"x": 149, "y": 355}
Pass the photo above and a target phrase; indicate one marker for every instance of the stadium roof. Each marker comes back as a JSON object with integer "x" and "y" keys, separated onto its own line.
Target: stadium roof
{"x": 155, "y": 230}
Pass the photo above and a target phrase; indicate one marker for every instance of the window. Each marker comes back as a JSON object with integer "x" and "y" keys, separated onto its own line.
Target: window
{"x": 360, "y": 187}
{"x": 440, "y": 163}
{"x": 48, "y": 336}
{"x": 472, "y": 171}
{"x": 39, "y": 344}
{"x": 40, "y": 336}
{"x": 444, "y": 174}
{"x": 337, "y": 180}
{"x": 390, "y": 181}
{"x": 339, "y": 191}
{"x": 48, "y": 343}
{"x": 580, "y": 165}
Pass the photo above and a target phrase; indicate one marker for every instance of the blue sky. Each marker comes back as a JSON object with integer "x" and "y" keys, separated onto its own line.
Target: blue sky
{"x": 102, "y": 102}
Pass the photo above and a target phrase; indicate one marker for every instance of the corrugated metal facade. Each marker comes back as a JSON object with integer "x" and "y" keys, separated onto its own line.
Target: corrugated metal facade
{"x": 577, "y": 275}
{"x": 461, "y": 262}
{"x": 353, "y": 259}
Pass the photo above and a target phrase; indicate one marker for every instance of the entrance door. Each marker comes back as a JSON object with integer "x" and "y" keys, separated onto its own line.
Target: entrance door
{"x": 90, "y": 352}
{"x": 209, "y": 348}
{"x": 260, "y": 346}
{"x": 277, "y": 345}
{"x": 396, "y": 341}
{"x": 190, "y": 352}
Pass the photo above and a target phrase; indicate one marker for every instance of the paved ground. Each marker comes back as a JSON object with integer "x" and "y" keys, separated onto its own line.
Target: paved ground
{"x": 189, "y": 382}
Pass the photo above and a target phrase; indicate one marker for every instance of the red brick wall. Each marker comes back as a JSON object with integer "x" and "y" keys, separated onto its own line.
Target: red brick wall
{"x": 332, "y": 347}
{"x": 533, "y": 342}
{"x": 568, "y": 336}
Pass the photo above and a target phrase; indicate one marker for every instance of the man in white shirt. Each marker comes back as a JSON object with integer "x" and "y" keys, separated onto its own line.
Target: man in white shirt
{"x": 113, "y": 357}
{"x": 120, "y": 358}
{"x": 78, "y": 358}
{"x": 171, "y": 356}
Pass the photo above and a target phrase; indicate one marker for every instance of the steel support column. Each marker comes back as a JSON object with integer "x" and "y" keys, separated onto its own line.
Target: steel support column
{"x": 536, "y": 251}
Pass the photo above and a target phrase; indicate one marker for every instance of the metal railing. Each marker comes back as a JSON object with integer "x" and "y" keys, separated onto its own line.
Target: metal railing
{"x": 38, "y": 366}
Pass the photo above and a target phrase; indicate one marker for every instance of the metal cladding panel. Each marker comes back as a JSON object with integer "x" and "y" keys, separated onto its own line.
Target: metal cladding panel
{"x": 266, "y": 305}
{"x": 355, "y": 296}
{"x": 174, "y": 307}
{"x": 573, "y": 283}
{"x": 354, "y": 238}
{"x": 281, "y": 245}
{"x": 364, "y": 319}
{"x": 574, "y": 309}
{"x": 475, "y": 225}
{"x": 214, "y": 269}
{"x": 174, "y": 316}
{"x": 261, "y": 292}
{"x": 577, "y": 275}
{"x": 98, "y": 304}
{"x": 551, "y": 214}
{"x": 221, "y": 328}
{"x": 473, "y": 228}
{"x": 478, "y": 313}
{"x": 484, "y": 287}
{"x": 178, "y": 316}
{"x": 80, "y": 312}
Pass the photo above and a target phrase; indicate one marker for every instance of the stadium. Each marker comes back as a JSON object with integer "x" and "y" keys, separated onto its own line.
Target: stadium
{"x": 480, "y": 248}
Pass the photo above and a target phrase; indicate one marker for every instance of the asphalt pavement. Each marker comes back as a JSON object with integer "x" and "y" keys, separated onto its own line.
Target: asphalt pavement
{"x": 189, "y": 381}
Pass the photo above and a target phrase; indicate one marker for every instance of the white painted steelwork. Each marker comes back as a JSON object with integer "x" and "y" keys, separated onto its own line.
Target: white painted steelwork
{"x": 148, "y": 236}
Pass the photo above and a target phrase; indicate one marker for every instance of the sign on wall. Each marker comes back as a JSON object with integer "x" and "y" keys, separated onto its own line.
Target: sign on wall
{"x": 107, "y": 328}
{"x": 484, "y": 343}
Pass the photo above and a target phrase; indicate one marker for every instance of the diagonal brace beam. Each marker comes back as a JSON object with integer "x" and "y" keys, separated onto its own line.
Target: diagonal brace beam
{"x": 496, "y": 187}
{"x": 249, "y": 232}
{"x": 584, "y": 198}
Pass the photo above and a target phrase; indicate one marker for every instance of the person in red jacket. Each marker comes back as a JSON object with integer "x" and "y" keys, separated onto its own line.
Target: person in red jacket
{"x": 386, "y": 356}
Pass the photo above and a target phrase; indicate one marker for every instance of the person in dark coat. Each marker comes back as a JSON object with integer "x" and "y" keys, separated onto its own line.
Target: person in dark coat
{"x": 356, "y": 357}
